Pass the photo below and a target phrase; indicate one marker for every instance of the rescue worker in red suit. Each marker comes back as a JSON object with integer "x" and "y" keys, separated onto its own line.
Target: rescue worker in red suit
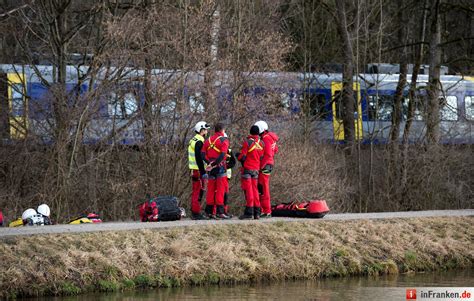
{"x": 198, "y": 172}
{"x": 214, "y": 153}
{"x": 250, "y": 156}
{"x": 230, "y": 163}
{"x": 266, "y": 166}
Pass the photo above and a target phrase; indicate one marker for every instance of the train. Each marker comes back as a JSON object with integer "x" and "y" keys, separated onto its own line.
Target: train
{"x": 26, "y": 108}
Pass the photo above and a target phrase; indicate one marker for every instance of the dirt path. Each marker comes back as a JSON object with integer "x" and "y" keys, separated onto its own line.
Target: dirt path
{"x": 121, "y": 226}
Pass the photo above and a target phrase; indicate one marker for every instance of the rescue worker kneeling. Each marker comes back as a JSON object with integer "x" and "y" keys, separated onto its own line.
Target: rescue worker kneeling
{"x": 250, "y": 156}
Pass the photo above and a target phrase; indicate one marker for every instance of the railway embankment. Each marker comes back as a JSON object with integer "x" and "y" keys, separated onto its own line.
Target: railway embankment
{"x": 75, "y": 263}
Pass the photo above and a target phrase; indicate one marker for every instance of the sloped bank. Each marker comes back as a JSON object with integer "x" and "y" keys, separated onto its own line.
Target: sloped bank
{"x": 67, "y": 264}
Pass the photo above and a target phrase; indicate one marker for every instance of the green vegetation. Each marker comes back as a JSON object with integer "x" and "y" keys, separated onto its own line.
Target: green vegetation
{"x": 117, "y": 261}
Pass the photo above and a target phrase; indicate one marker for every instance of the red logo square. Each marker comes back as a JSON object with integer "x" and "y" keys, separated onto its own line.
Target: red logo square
{"x": 411, "y": 294}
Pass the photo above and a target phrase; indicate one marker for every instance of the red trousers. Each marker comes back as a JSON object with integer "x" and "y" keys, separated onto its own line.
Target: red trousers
{"x": 264, "y": 184}
{"x": 216, "y": 188}
{"x": 249, "y": 186}
{"x": 197, "y": 193}
{"x": 226, "y": 199}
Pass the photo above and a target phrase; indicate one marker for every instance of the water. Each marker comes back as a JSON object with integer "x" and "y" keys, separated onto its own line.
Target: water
{"x": 391, "y": 287}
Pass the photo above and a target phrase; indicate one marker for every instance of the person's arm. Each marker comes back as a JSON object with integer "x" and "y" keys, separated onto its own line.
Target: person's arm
{"x": 224, "y": 148}
{"x": 243, "y": 152}
{"x": 199, "y": 160}
{"x": 203, "y": 151}
{"x": 230, "y": 160}
{"x": 275, "y": 149}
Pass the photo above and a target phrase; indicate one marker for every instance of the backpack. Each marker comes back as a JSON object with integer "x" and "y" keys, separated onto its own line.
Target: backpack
{"x": 168, "y": 209}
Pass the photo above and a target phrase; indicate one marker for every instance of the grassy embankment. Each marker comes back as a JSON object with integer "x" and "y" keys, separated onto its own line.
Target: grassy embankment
{"x": 111, "y": 261}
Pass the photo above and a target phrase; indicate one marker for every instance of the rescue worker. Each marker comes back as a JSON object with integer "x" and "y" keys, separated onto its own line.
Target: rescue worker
{"x": 214, "y": 153}
{"x": 230, "y": 163}
{"x": 198, "y": 172}
{"x": 250, "y": 156}
{"x": 270, "y": 140}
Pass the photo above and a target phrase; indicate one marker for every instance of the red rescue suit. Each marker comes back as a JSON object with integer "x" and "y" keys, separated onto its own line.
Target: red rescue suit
{"x": 214, "y": 151}
{"x": 251, "y": 155}
{"x": 270, "y": 140}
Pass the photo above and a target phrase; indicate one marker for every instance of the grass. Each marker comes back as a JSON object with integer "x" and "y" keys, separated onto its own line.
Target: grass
{"x": 71, "y": 264}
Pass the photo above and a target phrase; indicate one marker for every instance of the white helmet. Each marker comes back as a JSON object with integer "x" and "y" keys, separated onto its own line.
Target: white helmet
{"x": 262, "y": 126}
{"x": 201, "y": 125}
{"x": 28, "y": 213}
{"x": 44, "y": 210}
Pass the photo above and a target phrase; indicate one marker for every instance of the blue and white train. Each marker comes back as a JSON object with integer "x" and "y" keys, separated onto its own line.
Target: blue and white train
{"x": 26, "y": 106}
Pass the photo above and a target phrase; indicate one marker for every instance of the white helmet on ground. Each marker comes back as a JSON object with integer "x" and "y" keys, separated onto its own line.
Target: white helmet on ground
{"x": 201, "y": 125}
{"x": 43, "y": 209}
{"x": 262, "y": 126}
{"x": 28, "y": 213}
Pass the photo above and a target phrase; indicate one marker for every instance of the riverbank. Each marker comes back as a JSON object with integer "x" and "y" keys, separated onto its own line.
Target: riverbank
{"x": 67, "y": 264}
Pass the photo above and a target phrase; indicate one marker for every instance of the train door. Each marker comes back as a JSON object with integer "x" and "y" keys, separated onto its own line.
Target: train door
{"x": 13, "y": 106}
{"x": 338, "y": 108}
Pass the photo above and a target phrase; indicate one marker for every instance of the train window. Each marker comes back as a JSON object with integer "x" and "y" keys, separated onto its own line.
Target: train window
{"x": 196, "y": 103}
{"x": 314, "y": 105}
{"x": 449, "y": 108}
{"x": 417, "y": 112}
{"x": 469, "y": 106}
{"x": 168, "y": 107}
{"x": 122, "y": 107}
{"x": 380, "y": 107}
{"x": 285, "y": 100}
{"x": 130, "y": 103}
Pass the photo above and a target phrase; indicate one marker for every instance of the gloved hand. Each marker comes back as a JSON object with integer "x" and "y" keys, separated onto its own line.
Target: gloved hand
{"x": 210, "y": 166}
{"x": 267, "y": 169}
{"x": 204, "y": 179}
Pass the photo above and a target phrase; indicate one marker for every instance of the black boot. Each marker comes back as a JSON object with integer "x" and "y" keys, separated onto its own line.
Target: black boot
{"x": 256, "y": 212}
{"x": 209, "y": 211}
{"x": 198, "y": 216}
{"x": 248, "y": 213}
{"x": 221, "y": 213}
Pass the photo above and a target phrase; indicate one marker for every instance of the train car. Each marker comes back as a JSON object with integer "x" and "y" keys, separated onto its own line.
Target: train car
{"x": 114, "y": 103}
{"x": 317, "y": 96}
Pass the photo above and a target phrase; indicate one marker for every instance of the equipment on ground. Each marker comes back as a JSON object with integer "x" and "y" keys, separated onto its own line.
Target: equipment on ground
{"x": 16, "y": 223}
{"x": 28, "y": 213}
{"x": 43, "y": 209}
{"x": 89, "y": 218}
{"x": 35, "y": 220}
{"x": 311, "y": 209}
{"x": 161, "y": 208}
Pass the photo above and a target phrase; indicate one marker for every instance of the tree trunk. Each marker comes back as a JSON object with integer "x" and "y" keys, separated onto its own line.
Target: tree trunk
{"x": 402, "y": 80}
{"x": 432, "y": 122}
{"x": 347, "y": 74}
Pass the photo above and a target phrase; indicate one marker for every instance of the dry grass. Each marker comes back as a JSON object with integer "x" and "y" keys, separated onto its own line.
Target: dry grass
{"x": 110, "y": 261}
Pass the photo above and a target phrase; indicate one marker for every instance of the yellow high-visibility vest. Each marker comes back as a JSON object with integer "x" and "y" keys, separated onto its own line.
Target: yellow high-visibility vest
{"x": 192, "y": 153}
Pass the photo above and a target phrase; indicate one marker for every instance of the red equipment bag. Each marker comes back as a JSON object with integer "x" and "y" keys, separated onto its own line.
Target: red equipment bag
{"x": 148, "y": 211}
{"x": 1, "y": 218}
{"x": 311, "y": 209}
{"x": 94, "y": 217}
